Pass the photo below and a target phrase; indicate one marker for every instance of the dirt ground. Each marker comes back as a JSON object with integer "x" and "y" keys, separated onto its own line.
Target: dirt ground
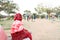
{"x": 42, "y": 29}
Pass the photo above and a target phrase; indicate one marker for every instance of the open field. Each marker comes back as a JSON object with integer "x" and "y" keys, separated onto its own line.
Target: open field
{"x": 41, "y": 29}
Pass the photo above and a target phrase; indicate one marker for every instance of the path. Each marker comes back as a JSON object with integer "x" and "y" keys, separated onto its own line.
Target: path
{"x": 43, "y": 29}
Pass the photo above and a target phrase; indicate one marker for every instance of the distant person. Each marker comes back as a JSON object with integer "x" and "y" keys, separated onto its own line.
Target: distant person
{"x": 18, "y": 32}
{"x": 28, "y": 17}
{"x": 53, "y": 17}
{"x": 34, "y": 17}
{"x": 24, "y": 16}
{"x": 3, "y": 36}
{"x": 46, "y": 16}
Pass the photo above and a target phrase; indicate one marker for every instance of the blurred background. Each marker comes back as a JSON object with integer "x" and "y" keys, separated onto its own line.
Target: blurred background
{"x": 40, "y": 17}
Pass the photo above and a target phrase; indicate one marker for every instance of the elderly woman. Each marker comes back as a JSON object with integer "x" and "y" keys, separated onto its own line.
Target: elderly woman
{"x": 18, "y": 32}
{"x": 3, "y": 36}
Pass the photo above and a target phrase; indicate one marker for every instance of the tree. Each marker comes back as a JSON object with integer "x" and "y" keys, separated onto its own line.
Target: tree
{"x": 8, "y": 6}
{"x": 49, "y": 10}
{"x": 39, "y": 9}
{"x": 28, "y": 12}
{"x": 57, "y": 10}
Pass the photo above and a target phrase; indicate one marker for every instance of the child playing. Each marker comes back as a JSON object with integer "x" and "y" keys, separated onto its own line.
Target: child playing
{"x": 18, "y": 32}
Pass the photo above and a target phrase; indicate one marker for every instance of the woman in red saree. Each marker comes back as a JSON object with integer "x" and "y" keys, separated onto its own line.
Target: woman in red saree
{"x": 18, "y": 32}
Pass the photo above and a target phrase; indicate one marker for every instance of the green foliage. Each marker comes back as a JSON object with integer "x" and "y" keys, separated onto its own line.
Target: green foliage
{"x": 27, "y": 12}
{"x": 1, "y": 16}
{"x": 8, "y": 6}
{"x": 48, "y": 11}
{"x": 10, "y": 17}
{"x": 38, "y": 16}
{"x": 34, "y": 14}
{"x": 42, "y": 16}
{"x": 6, "y": 24}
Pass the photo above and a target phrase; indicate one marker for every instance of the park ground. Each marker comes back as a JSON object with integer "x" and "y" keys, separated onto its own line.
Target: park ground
{"x": 41, "y": 29}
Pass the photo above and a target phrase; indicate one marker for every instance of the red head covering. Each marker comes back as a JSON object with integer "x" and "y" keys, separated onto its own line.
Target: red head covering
{"x": 18, "y": 16}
